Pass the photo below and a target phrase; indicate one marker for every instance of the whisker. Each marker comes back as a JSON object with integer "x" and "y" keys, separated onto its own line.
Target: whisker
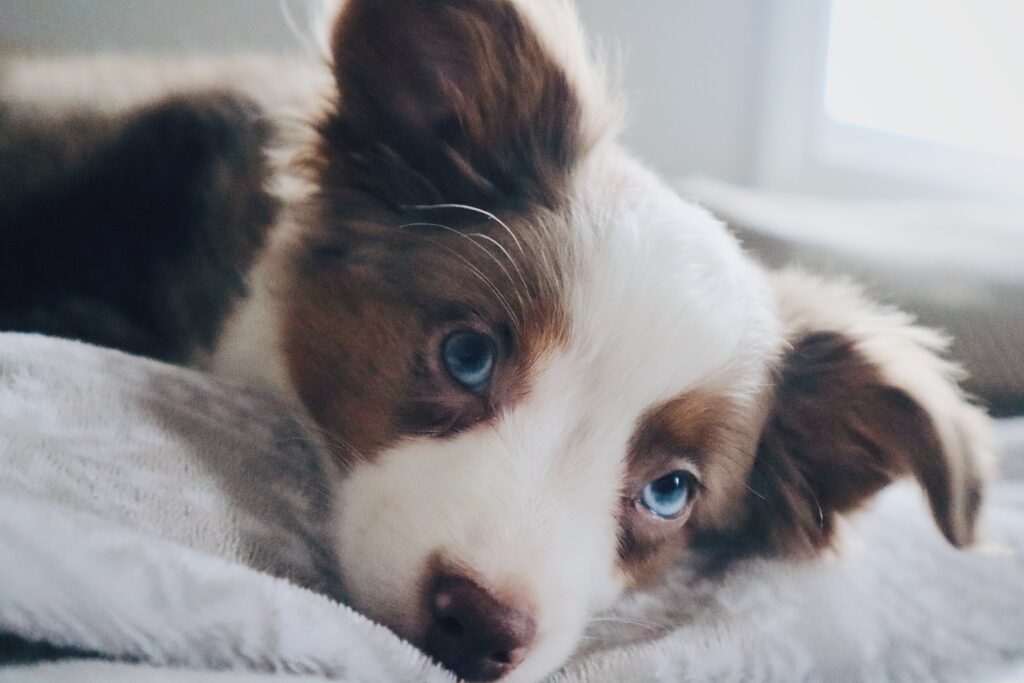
{"x": 511, "y": 260}
{"x": 289, "y": 19}
{"x": 335, "y": 441}
{"x": 600, "y": 639}
{"x": 483, "y": 278}
{"x": 466, "y": 207}
{"x": 497, "y": 261}
{"x": 752, "y": 490}
{"x": 652, "y": 625}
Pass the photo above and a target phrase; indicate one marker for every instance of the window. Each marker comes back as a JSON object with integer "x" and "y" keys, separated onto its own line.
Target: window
{"x": 946, "y": 71}
{"x": 896, "y": 97}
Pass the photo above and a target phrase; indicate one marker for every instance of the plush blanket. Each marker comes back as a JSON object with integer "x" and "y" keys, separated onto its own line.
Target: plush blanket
{"x": 160, "y": 525}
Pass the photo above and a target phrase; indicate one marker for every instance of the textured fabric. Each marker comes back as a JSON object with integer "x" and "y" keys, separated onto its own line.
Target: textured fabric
{"x": 116, "y": 672}
{"x": 154, "y": 515}
{"x": 958, "y": 267}
{"x": 164, "y": 452}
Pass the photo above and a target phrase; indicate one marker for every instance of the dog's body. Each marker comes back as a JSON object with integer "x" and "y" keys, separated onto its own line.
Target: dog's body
{"x": 544, "y": 377}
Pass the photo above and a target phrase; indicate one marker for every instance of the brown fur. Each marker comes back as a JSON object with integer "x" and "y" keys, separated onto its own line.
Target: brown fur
{"x": 837, "y": 432}
{"x": 363, "y": 334}
{"x": 448, "y": 102}
{"x": 474, "y": 112}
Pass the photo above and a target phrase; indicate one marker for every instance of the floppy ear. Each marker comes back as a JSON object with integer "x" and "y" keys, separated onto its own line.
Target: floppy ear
{"x": 449, "y": 101}
{"x": 862, "y": 398}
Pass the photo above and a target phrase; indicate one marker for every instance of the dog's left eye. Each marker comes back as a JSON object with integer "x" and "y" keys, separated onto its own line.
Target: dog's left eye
{"x": 667, "y": 496}
{"x": 469, "y": 357}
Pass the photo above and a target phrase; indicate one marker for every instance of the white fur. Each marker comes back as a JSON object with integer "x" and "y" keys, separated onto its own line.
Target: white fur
{"x": 249, "y": 345}
{"x": 662, "y": 302}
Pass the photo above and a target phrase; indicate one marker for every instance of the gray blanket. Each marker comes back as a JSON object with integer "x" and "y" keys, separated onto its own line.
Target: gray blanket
{"x": 156, "y": 517}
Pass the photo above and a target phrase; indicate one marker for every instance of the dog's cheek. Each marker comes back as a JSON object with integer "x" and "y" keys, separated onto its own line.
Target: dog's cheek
{"x": 382, "y": 540}
{"x": 348, "y": 356}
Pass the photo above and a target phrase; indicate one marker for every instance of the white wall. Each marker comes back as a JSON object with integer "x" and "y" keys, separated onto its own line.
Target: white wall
{"x": 693, "y": 74}
{"x": 692, "y": 65}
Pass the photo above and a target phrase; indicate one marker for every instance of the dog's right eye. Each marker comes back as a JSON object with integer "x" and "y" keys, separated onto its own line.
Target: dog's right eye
{"x": 469, "y": 358}
{"x": 667, "y": 496}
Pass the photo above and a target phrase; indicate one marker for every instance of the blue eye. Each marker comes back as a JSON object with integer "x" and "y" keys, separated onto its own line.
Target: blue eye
{"x": 667, "y": 496}
{"x": 469, "y": 358}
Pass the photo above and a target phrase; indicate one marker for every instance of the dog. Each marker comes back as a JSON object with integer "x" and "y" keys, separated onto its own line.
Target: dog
{"x": 543, "y": 377}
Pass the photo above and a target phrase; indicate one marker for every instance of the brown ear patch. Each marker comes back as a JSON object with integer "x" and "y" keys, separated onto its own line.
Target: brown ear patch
{"x": 836, "y": 434}
{"x": 452, "y": 101}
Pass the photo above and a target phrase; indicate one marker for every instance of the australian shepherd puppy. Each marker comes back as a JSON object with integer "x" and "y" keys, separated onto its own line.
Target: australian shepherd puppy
{"x": 543, "y": 376}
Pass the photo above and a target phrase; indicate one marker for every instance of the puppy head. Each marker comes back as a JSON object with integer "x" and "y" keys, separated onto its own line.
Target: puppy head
{"x": 543, "y": 376}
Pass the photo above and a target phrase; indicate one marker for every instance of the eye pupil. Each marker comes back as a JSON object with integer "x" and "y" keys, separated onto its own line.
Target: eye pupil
{"x": 667, "y": 485}
{"x": 667, "y": 496}
{"x": 469, "y": 359}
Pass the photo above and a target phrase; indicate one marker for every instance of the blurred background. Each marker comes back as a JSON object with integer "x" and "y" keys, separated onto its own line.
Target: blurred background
{"x": 880, "y": 138}
{"x": 856, "y": 98}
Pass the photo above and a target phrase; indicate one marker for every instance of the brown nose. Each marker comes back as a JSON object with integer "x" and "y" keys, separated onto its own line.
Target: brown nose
{"x": 472, "y": 633}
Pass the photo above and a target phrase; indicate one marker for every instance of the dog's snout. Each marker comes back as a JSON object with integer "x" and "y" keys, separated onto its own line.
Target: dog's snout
{"x": 472, "y": 633}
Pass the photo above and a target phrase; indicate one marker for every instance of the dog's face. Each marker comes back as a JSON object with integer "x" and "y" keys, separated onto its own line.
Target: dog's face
{"x": 536, "y": 420}
{"x": 544, "y": 376}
